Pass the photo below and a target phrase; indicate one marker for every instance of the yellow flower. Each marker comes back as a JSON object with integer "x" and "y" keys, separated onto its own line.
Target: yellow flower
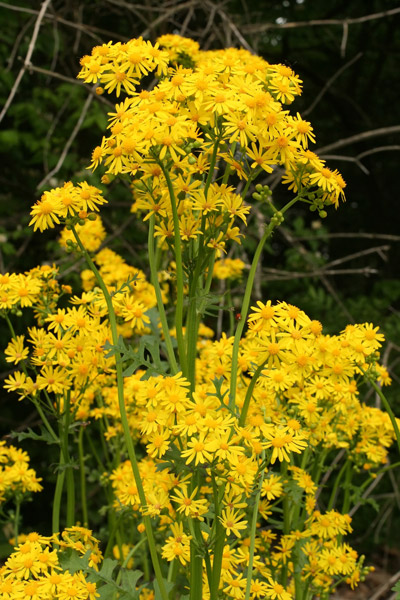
{"x": 187, "y": 503}
{"x": 46, "y": 211}
{"x": 282, "y": 442}
{"x": 200, "y": 450}
{"x": 15, "y": 351}
{"x": 232, "y": 521}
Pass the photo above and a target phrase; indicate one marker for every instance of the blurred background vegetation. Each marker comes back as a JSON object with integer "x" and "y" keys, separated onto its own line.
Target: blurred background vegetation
{"x": 339, "y": 270}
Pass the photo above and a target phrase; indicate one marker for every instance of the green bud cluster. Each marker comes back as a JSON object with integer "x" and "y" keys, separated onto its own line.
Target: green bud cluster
{"x": 263, "y": 193}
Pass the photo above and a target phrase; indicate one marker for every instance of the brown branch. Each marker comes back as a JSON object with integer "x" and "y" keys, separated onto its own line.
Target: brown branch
{"x": 11, "y": 58}
{"x": 235, "y": 30}
{"x": 28, "y": 57}
{"x": 376, "y": 150}
{"x": 70, "y": 140}
{"x": 90, "y": 89}
{"x": 353, "y": 159}
{"x": 260, "y": 28}
{"x": 376, "y": 249}
{"x": 368, "y": 236}
{"x": 388, "y": 583}
{"x": 329, "y": 83}
{"x": 88, "y": 29}
{"x": 324, "y": 279}
{"x": 168, "y": 13}
{"x": 277, "y": 275}
{"x": 360, "y": 137}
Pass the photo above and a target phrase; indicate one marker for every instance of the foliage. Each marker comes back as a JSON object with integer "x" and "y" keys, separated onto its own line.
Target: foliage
{"x": 234, "y": 460}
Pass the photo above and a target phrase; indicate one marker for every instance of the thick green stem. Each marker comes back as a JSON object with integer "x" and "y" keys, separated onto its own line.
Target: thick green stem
{"x": 332, "y": 499}
{"x": 58, "y": 493}
{"x": 16, "y": 519}
{"x": 196, "y": 572}
{"x": 249, "y": 393}
{"x": 160, "y": 304}
{"x": 69, "y": 476}
{"x": 219, "y": 544}
{"x": 85, "y": 515}
{"x": 124, "y": 419}
{"x": 347, "y": 494}
{"x": 253, "y": 529}
{"x": 179, "y": 274}
{"x": 246, "y": 303}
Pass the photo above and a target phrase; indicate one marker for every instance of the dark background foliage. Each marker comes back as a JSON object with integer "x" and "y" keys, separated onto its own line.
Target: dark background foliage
{"x": 343, "y": 269}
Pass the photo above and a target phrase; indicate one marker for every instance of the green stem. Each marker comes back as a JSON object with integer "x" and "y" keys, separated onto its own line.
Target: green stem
{"x": 336, "y": 485}
{"x": 212, "y": 166}
{"x": 370, "y": 479}
{"x": 196, "y": 572}
{"x": 85, "y": 515}
{"x": 246, "y": 302}
{"x": 127, "y": 559}
{"x": 249, "y": 393}
{"x": 16, "y": 519}
{"x": 160, "y": 304}
{"x": 58, "y": 493}
{"x": 69, "y": 476}
{"x": 179, "y": 274}
{"x": 124, "y": 419}
{"x": 347, "y": 482}
{"x": 219, "y": 544}
{"x": 253, "y": 529}
{"x": 386, "y": 405}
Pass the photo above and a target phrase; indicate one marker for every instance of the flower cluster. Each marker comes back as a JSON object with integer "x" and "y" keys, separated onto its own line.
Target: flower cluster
{"x": 66, "y": 350}
{"x": 305, "y": 397}
{"x": 227, "y": 435}
{"x": 16, "y": 476}
{"x": 34, "y": 570}
{"x": 65, "y": 202}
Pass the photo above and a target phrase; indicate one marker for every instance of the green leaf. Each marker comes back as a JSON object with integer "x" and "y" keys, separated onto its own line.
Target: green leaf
{"x": 44, "y": 436}
{"x": 107, "y": 591}
{"x": 396, "y": 588}
{"x": 168, "y": 586}
{"x": 71, "y": 561}
{"x": 128, "y": 583}
{"x": 107, "y": 569}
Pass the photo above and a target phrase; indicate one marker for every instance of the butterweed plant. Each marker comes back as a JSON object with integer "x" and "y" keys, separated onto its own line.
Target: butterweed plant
{"x": 229, "y": 463}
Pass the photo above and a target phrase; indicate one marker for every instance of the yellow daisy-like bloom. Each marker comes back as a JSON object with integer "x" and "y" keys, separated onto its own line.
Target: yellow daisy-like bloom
{"x": 233, "y": 521}
{"x": 46, "y": 211}
{"x": 15, "y": 351}
{"x": 282, "y": 442}
{"x": 187, "y": 503}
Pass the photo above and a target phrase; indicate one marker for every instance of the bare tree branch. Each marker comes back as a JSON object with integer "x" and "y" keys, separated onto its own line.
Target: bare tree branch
{"x": 28, "y": 57}
{"x": 360, "y": 137}
{"x": 261, "y": 27}
{"x": 328, "y": 84}
{"x": 70, "y": 140}
{"x": 88, "y": 29}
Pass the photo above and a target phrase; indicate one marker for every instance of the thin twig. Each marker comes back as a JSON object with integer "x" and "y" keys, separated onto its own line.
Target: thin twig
{"x": 70, "y": 140}
{"x": 343, "y": 158}
{"x": 88, "y": 29}
{"x": 260, "y": 28}
{"x": 328, "y": 84}
{"x": 360, "y": 137}
{"x": 28, "y": 57}
{"x": 11, "y": 58}
{"x": 235, "y": 30}
{"x": 89, "y": 88}
{"x": 385, "y": 586}
{"x": 365, "y": 495}
{"x": 368, "y": 236}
